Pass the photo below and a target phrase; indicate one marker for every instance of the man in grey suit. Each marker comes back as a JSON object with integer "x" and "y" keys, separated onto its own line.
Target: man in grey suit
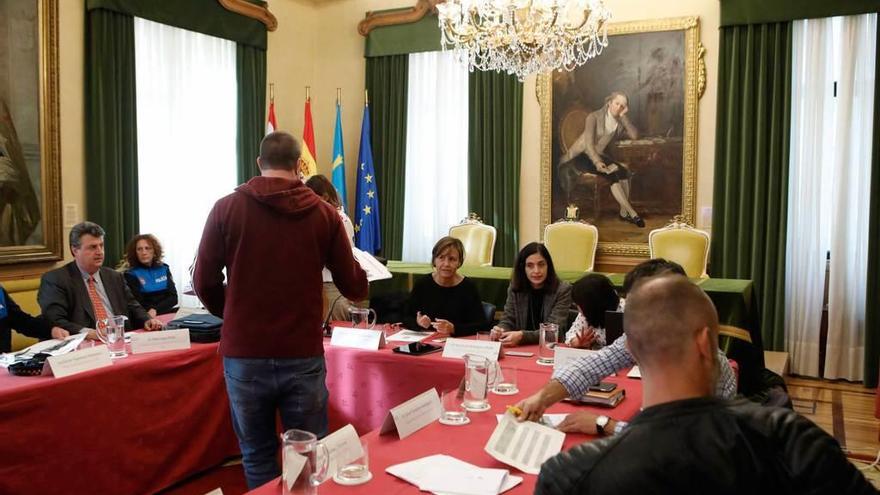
{"x": 82, "y": 292}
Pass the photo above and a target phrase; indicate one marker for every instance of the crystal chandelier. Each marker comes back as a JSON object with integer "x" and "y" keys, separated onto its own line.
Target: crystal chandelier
{"x": 524, "y": 37}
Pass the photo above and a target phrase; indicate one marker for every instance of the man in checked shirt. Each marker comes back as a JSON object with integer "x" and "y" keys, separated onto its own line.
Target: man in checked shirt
{"x": 575, "y": 379}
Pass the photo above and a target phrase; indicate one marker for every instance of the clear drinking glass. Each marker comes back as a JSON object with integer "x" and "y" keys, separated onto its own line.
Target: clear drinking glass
{"x": 548, "y": 337}
{"x": 452, "y": 410}
{"x": 487, "y": 335}
{"x": 357, "y": 470}
{"x": 478, "y": 374}
{"x": 505, "y": 382}
{"x": 304, "y": 463}
{"x": 360, "y": 317}
{"x": 111, "y": 331}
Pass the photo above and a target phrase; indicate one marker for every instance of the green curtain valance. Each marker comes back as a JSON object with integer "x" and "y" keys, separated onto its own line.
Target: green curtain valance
{"x": 739, "y": 12}
{"x": 415, "y": 37}
{"x": 203, "y": 16}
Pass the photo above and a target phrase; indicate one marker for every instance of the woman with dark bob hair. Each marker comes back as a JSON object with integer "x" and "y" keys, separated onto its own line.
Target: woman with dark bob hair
{"x": 148, "y": 277}
{"x": 593, "y": 295}
{"x": 445, "y": 300}
{"x": 535, "y": 296}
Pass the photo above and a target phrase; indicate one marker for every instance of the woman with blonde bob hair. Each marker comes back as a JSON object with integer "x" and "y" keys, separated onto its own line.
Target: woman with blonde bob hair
{"x": 445, "y": 300}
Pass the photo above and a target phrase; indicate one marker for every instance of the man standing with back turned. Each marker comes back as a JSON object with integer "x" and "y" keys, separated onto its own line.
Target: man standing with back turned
{"x": 274, "y": 236}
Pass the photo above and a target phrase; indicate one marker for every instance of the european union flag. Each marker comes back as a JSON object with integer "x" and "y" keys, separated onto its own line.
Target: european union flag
{"x": 338, "y": 172}
{"x": 366, "y": 221}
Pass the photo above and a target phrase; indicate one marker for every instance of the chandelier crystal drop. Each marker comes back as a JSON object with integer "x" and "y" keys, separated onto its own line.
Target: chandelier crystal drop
{"x": 523, "y": 37}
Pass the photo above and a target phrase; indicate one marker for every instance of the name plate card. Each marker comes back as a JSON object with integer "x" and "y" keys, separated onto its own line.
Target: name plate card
{"x": 166, "y": 340}
{"x": 564, "y": 355}
{"x": 79, "y": 361}
{"x": 412, "y": 415}
{"x": 358, "y": 338}
{"x": 456, "y": 348}
{"x": 344, "y": 446}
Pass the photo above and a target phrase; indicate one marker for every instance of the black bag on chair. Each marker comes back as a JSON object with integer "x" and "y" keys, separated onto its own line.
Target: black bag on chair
{"x": 203, "y": 328}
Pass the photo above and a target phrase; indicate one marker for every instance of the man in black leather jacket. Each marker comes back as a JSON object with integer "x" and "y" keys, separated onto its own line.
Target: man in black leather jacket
{"x": 685, "y": 441}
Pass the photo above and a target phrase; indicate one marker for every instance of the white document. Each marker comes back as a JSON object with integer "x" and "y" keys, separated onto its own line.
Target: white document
{"x": 550, "y": 420}
{"x": 358, "y": 338}
{"x": 344, "y": 447}
{"x": 412, "y": 415}
{"x": 79, "y": 361}
{"x": 293, "y": 465}
{"x": 635, "y": 372}
{"x": 52, "y": 347}
{"x": 166, "y": 340}
{"x": 445, "y": 475}
{"x": 525, "y": 445}
{"x": 374, "y": 269}
{"x": 564, "y": 355}
{"x": 456, "y": 348}
{"x": 409, "y": 336}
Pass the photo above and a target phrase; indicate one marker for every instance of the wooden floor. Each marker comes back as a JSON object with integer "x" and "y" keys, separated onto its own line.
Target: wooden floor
{"x": 844, "y": 410}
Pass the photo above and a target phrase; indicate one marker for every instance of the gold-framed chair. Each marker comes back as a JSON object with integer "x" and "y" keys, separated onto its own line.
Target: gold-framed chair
{"x": 683, "y": 244}
{"x": 478, "y": 239}
{"x": 572, "y": 245}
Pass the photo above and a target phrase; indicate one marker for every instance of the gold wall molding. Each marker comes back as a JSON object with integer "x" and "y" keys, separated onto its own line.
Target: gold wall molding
{"x": 251, "y": 10}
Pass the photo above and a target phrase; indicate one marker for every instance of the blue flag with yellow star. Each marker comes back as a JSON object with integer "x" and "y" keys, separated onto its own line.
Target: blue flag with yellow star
{"x": 366, "y": 221}
{"x": 338, "y": 171}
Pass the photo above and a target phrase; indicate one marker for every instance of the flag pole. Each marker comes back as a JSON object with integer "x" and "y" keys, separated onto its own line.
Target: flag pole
{"x": 308, "y": 93}
{"x": 366, "y": 97}
{"x": 271, "y": 92}
{"x": 338, "y": 96}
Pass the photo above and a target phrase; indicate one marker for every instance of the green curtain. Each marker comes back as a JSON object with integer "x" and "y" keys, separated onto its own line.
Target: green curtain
{"x": 386, "y": 83}
{"x": 111, "y": 129}
{"x": 400, "y": 39}
{"x": 751, "y": 166}
{"x": 250, "y": 74}
{"x": 203, "y": 16}
{"x": 494, "y": 149}
{"x": 736, "y": 12}
{"x": 872, "y": 306}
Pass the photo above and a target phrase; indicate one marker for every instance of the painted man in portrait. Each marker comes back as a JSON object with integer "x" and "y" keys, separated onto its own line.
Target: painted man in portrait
{"x": 588, "y": 155}
{"x": 19, "y": 210}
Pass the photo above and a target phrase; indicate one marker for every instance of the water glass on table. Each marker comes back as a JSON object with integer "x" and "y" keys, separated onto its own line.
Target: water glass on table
{"x": 357, "y": 470}
{"x": 548, "y": 337}
{"x": 452, "y": 410}
{"x": 505, "y": 381}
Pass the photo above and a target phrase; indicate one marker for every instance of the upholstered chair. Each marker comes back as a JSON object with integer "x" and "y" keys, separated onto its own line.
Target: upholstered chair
{"x": 572, "y": 245}
{"x": 478, "y": 239}
{"x": 683, "y": 244}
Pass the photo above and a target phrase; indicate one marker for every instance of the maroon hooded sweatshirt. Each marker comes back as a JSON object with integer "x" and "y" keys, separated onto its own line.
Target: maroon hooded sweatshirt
{"x": 273, "y": 236}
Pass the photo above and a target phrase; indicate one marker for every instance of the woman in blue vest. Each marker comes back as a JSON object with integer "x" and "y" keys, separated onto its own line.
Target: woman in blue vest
{"x": 148, "y": 277}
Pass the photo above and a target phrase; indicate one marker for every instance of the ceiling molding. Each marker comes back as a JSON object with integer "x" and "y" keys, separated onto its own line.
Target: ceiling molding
{"x": 406, "y": 16}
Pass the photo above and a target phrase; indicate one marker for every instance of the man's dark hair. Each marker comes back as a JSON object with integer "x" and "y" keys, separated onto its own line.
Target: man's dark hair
{"x": 520, "y": 282}
{"x": 594, "y": 294}
{"x": 279, "y": 151}
{"x": 81, "y": 229}
{"x": 650, "y": 268}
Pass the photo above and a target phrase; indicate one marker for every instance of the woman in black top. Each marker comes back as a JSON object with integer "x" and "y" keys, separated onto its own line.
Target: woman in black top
{"x": 148, "y": 278}
{"x": 535, "y": 296}
{"x": 445, "y": 300}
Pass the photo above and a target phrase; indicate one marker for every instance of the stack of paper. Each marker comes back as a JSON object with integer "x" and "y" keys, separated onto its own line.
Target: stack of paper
{"x": 445, "y": 475}
{"x": 52, "y": 347}
{"x": 524, "y": 445}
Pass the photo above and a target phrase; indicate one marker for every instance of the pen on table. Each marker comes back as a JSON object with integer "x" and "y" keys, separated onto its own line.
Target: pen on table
{"x": 514, "y": 410}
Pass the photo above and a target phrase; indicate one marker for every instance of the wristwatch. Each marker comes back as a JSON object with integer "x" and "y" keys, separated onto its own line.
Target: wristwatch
{"x": 601, "y": 423}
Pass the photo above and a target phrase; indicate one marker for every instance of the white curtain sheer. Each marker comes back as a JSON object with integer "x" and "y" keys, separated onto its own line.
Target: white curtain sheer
{"x": 828, "y": 191}
{"x": 186, "y": 124}
{"x": 436, "y": 195}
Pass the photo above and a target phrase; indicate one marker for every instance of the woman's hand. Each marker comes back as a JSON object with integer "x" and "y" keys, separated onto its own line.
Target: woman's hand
{"x": 423, "y": 321}
{"x": 496, "y": 332}
{"x": 511, "y": 339}
{"x": 152, "y": 313}
{"x": 443, "y": 327}
{"x": 584, "y": 338}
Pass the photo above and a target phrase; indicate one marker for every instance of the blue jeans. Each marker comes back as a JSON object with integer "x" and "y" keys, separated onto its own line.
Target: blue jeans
{"x": 257, "y": 388}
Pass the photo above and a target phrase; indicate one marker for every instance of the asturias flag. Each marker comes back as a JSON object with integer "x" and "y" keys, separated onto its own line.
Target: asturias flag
{"x": 338, "y": 175}
{"x": 366, "y": 221}
{"x": 308, "y": 151}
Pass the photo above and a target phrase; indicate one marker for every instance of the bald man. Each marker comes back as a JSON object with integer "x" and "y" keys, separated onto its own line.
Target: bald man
{"x": 685, "y": 441}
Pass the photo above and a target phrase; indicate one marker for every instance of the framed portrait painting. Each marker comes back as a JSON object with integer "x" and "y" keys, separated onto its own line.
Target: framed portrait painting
{"x": 30, "y": 189}
{"x": 619, "y": 134}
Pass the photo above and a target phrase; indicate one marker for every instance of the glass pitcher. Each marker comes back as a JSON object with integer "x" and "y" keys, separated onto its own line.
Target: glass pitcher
{"x": 360, "y": 317}
{"x": 304, "y": 463}
{"x": 479, "y": 377}
{"x": 111, "y": 331}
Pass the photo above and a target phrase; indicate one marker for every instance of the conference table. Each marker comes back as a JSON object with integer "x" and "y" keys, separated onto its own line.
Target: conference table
{"x": 375, "y": 381}
{"x": 733, "y": 298}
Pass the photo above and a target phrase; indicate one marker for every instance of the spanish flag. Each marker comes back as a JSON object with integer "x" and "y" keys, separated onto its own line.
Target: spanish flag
{"x": 308, "y": 151}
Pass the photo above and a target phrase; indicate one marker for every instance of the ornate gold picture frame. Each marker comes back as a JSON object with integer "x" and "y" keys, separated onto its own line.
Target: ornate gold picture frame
{"x": 652, "y": 73}
{"x": 30, "y": 167}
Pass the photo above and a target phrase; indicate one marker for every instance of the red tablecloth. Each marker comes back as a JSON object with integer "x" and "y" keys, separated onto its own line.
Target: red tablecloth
{"x": 136, "y": 427}
{"x": 464, "y": 442}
